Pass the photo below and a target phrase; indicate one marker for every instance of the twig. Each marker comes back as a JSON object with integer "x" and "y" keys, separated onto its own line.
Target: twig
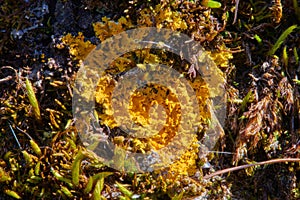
{"x": 5, "y": 79}
{"x": 236, "y": 10}
{"x": 220, "y": 152}
{"x": 223, "y": 171}
{"x": 10, "y": 123}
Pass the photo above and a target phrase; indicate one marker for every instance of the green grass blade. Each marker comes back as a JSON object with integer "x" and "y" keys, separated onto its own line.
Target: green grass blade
{"x": 76, "y": 167}
{"x": 281, "y": 39}
{"x": 296, "y": 55}
{"x": 124, "y": 190}
{"x": 89, "y": 185}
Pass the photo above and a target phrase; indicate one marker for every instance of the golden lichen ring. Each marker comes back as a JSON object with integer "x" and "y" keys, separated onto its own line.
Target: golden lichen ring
{"x": 153, "y": 73}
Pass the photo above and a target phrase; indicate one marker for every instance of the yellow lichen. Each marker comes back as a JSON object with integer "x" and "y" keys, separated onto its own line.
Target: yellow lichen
{"x": 78, "y": 47}
{"x": 103, "y": 96}
{"x": 161, "y": 17}
{"x": 141, "y": 103}
{"x": 221, "y": 57}
{"x": 108, "y": 28}
{"x": 146, "y": 103}
{"x": 186, "y": 165}
{"x": 155, "y": 104}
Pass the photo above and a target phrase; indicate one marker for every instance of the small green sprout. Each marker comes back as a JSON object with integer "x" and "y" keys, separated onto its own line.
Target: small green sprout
{"x": 89, "y": 185}
{"x": 296, "y": 81}
{"x": 32, "y": 99}
{"x": 285, "y": 57}
{"x": 258, "y": 39}
{"x": 98, "y": 188}
{"x": 211, "y": 4}
{"x": 4, "y": 176}
{"x": 124, "y": 190}
{"x": 99, "y": 179}
{"x": 59, "y": 177}
{"x": 247, "y": 99}
{"x": 37, "y": 168}
{"x": 66, "y": 191}
{"x": 35, "y": 148}
{"x": 27, "y": 157}
{"x": 12, "y": 194}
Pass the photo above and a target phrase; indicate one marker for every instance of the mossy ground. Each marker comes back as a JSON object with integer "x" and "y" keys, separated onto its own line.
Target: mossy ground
{"x": 40, "y": 40}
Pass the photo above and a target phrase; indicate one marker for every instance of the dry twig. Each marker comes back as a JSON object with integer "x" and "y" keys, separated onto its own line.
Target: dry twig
{"x": 223, "y": 171}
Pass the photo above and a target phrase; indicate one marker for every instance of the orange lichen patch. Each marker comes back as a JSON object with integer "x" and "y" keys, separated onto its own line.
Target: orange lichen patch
{"x": 202, "y": 94}
{"x": 103, "y": 96}
{"x": 151, "y": 107}
{"x": 121, "y": 64}
{"x": 221, "y": 57}
{"x": 143, "y": 100}
{"x": 186, "y": 165}
{"x": 78, "y": 47}
{"x": 155, "y": 104}
{"x": 162, "y": 17}
{"x": 181, "y": 169}
{"x": 146, "y": 57}
{"x": 154, "y": 107}
{"x": 107, "y": 28}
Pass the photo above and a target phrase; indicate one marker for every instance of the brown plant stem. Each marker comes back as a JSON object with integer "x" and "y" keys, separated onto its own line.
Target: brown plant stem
{"x": 223, "y": 171}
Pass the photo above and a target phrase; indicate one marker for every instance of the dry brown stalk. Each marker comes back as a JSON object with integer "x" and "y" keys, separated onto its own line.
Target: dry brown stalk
{"x": 223, "y": 171}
